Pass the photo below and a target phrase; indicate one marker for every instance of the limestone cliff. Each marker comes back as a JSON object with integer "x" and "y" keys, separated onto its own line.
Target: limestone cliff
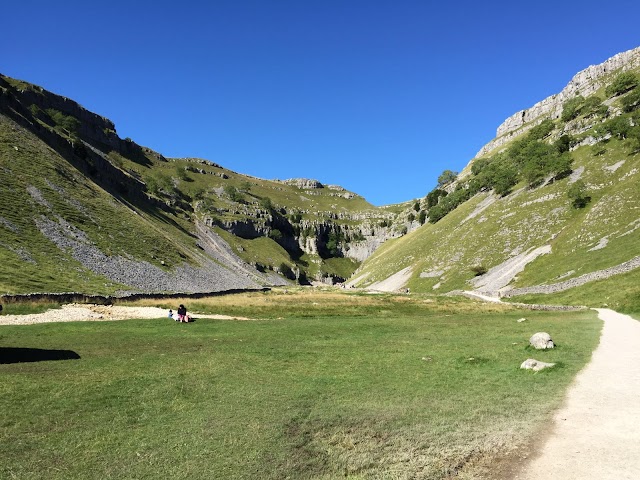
{"x": 583, "y": 83}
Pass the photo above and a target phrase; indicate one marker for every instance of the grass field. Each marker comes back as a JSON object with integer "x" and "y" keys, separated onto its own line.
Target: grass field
{"x": 319, "y": 386}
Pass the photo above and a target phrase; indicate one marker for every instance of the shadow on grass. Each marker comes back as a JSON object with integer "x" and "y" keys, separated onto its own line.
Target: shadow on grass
{"x": 19, "y": 355}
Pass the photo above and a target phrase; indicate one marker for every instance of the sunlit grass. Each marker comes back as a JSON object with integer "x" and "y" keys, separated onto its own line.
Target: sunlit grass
{"x": 324, "y": 385}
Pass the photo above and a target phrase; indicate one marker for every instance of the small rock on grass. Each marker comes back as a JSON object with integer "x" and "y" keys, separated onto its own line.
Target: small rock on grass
{"x": 535, "y": 365}
{"x": 541, "y": 341}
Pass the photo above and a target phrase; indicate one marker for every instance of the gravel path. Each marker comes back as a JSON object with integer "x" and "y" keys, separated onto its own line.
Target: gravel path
{"x": 86, "y": 313}
{"x": 596, "y": 434}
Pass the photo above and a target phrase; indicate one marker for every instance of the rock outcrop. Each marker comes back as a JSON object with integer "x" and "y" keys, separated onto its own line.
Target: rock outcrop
{"x": 583, "y": 83}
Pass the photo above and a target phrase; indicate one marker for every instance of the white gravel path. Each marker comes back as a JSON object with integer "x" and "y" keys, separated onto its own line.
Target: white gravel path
{"x": 83, "y": 313}
{"x": 596, "y": 434}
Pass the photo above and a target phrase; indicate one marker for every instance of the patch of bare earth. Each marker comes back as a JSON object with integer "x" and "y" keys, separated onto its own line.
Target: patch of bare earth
{"x": 84, "y": 313}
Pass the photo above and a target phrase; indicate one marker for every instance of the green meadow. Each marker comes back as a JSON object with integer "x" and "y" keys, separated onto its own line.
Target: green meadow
{"x": 317, "y": 385}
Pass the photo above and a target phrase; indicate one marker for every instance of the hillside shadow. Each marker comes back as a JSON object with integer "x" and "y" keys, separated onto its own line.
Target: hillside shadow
{"x": 21, "y": 355}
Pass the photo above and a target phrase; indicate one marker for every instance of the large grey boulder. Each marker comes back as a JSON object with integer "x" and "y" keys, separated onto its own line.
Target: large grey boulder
{"x": 541, "y": 341}
{"x": 535, "y": 365}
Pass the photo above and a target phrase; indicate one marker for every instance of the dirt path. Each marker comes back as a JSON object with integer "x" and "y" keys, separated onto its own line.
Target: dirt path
{"x": 82, "y": 313}
{"x": 596, "y": 434}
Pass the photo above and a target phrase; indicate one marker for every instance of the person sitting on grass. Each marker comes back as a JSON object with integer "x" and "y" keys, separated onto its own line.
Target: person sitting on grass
{"x": 182, "y": 314}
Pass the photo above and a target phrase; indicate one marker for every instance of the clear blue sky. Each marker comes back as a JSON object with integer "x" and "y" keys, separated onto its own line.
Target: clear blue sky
{"x": 377, "y": 96}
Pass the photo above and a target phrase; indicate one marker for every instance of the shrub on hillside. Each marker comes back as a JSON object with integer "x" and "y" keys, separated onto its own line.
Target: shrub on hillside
{"x": 634, "y": 137}
{"x": 618, "y": 126}
{"x": 433, "y": 197}
{"x": 267, "y": 204}
{"x": 578, "y": 194}
{"x": 181, "y": 173}
{"x": 631, "y": 101}
{"x": 622, "y": 83}
{"x": 571, "y": 108}
{"x": 233, "y": 194}
{"x": 542, "y": 130}
{"x": 579, "y": 105}
{"x": 447, "y": 177}
{"x": 275, "y": 234}
{"x": 564, "y": 143}
{"x": 333, "y": 244}
{"x": 67, "y": 122}
{"x": 478, "y": 165}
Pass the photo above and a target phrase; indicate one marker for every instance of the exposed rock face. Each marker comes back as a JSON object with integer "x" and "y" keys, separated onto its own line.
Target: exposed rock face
{"x": 535, "y": 365}
{"x": 583, "y": 83}
{"x": 541, "y": 341}
{"x": 305, "y": 183}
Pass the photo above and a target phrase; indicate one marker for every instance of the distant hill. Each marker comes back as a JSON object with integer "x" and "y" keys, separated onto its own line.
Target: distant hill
{"x": 551, "y": 205}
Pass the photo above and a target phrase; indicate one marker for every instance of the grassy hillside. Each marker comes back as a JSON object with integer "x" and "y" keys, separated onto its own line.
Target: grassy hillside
{"x": 498, "y": 223}
{"x": 39, "y": 186}
{"x": 76, "y": 197}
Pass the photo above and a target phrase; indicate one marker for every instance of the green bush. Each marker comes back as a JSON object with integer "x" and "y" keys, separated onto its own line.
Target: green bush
{"x": 564, "y": 143}
{"x": 618, "y": 126}
{"x": 67, "y": 122}
{"x": 295, "y": 217}
{"x": 275, "y": 234}
{"x": 333, "y": 244}
{"x": 579, "y": 105}
{"x": 267, "y": 204}
{"x": 422, "y": 217}
{"x": 622, "y": 83}
{"x": 181, "y": 173}
{"x": 571, "y": 108}
{"x": 542, "y": 130}
{"x": 433, "y": 197}
{"x": 578, "y": 194}
{"x": 233, "y": 194}
{"x": 478, "y": 165}
{"x": 447, "y": 177}
{"x": 631, "y": 101}
{"x": 593, "y": 104}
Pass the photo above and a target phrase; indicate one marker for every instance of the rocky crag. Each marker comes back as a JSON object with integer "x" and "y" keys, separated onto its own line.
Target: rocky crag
{"x": 585, "y": 83}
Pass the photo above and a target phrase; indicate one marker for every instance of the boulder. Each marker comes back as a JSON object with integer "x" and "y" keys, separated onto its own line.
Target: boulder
{"x": 541, "y": 341}
{"x": 535, "y": 365}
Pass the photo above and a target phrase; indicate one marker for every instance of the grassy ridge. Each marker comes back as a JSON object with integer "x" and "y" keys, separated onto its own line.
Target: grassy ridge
{"x": 391, "y": 387}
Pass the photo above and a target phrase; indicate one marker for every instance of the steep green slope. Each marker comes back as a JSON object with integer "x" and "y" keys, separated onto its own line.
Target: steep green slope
{"x": 84, "y": 210}
{"x": 492, "y": 232}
